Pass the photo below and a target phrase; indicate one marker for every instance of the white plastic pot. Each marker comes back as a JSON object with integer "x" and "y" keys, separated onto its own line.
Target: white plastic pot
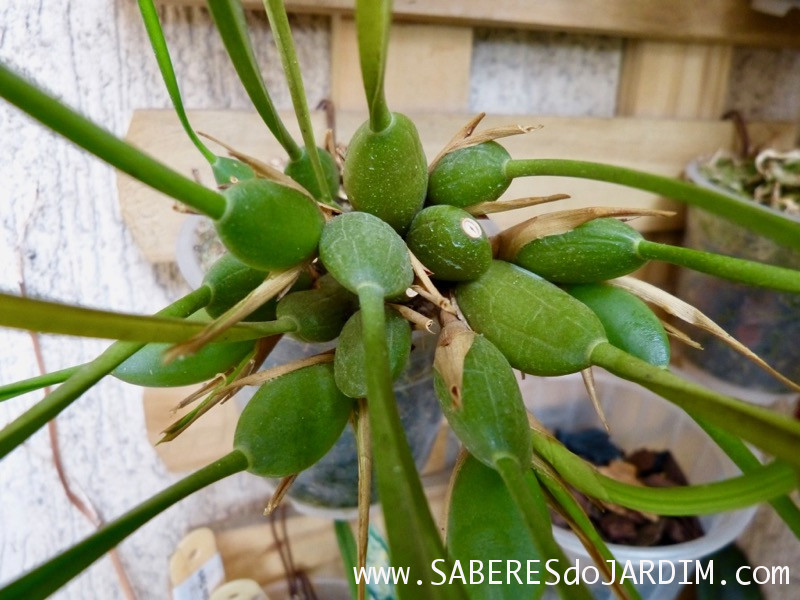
{"x": 640, "y": 419}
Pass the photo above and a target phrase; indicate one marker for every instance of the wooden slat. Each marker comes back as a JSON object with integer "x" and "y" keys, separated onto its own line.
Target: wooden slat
{"x": 668, "y": 79}
{"x": 731, "y": 21}
{"x": 657, "y": 145}
{"x": 415, "y": 81}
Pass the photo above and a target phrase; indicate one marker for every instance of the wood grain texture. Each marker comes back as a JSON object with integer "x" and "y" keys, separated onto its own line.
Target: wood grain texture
{"x": 731, "y": 21}
{"x": 428, "y": 67}
{"x": 669, "y": 79}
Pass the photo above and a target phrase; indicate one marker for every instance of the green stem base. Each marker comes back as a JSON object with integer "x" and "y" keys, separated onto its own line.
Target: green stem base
{"x": 726, "y": 267}
{"x": 747, "y": 214}
{"x": 529, "y": 498}
{"x": 769, "y": 431}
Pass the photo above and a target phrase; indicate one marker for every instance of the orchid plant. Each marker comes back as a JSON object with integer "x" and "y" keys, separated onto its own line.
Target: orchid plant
{"x": 364, "y": 247}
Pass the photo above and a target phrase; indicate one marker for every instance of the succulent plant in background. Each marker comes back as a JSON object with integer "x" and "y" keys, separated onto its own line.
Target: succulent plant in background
{"x": 546, "y": 297}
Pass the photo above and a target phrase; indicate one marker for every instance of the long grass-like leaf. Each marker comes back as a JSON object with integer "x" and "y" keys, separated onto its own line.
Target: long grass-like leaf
{"x": 774, "y": 433}
{"x": 750, "y": 215}
{"x": 727, "y": 267}
{"x": 529, "y": 499}
{"x": 51, "y": 317}
{"x": 584, "y": 528}
{"x": 744, "y": 458}
{"x": 414, "y": 540}
{"x": 12, "y": 390}
{"x": 78, "y": 129}
{"x": 760, "y": 484}
{"x": 373, "y": 20}
{"x": 232, "y": 26}
{"x": 45, "y": 579}
{"x": 159, "y": 43}
{"x": 20, "y": 429}
{"x": 279, "y": 21}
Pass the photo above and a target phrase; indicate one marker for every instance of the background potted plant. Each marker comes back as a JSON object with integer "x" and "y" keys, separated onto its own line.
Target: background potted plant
{"x": 276, "y": 225}
{"x": 769, "y": 178}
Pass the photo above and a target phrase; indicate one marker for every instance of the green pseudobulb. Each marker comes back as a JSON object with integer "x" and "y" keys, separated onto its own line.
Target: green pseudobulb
{"x": 470, "y": 176}
{"x": 351, "y": 360}
{"x": 359, "y": 249}
{"x": 629, "y": 323}
{"x": 230, "y": 280}
{"x": 599, "y": 250}
{"x": 385, "y": 172}
{"x": 485, "y": 409}
{"x": 302, "y": 172}
{"x": 269, "y": 226}
{"x": 539, "y": 328}
{"x": 450, "y": 243}
{"x": 229, "y": 170}
{"x": 319, "y": 314}
{"x": 147, "y": 368}
{"x": 292, "y": 421}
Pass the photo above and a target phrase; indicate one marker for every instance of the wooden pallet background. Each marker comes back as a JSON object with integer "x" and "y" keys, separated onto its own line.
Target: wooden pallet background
{"x": 672, "y": 89}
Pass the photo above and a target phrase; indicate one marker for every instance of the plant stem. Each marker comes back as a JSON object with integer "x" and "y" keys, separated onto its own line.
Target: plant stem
{"x": 45, "y": 579}
{"x": 279, "y": 21}
{"x": 750, "y": 215}
{"x": 12, "y": 390}
{"x": 52, "y": 317}
{"x": 373, "y": 20}
{"x": 20, "y": 429}
{"x": 347, "y": 548}
{"x": 744, "y": 458}
{"x": 414, "y": 540}
{"x": 575, "y": 512}
{"x": 760, "y": 484}
{"x": 81, "y": 131}
{"x": 726, "y": 267}
{"x": 232, "y": 26}
{"x": 765, "y": 483}
{"x": 777, "y": 435}
{"x": 529, "y": 499}
{"x": 159, "y": 44}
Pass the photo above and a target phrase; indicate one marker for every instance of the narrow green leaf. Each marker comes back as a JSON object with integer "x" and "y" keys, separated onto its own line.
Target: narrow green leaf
{"x": 373, "y": 21}
{"x": 744, "y": 458}
{"x": 12, "y": 390}
{"x": 778, "y": 435}
{"x": 232, "y": 26}
{"x": 159, "y": 44}
{"x": 580, "y": 519}
{"x": 51, "y": 317}
{"x": 279, "y": 21}
{"x": 750, "y": 215}
{"x": 93, "y": 138}
{"x": 759, "y": 485}
{"x": 413, "y": 537}
{"x": 726, "y": 267}
{"x": 20, "y": 429}
{"x": 45, "y": 579}
{"x": 529, "y": 500}
{"x": 347, "y": 549}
